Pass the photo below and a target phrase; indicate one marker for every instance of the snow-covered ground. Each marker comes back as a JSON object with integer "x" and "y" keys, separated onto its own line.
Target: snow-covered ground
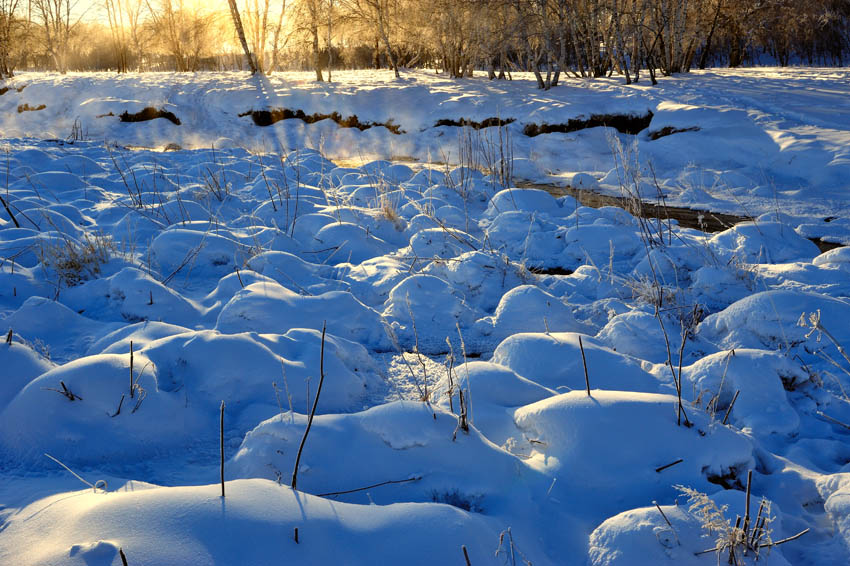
{"x": 465, "y": 320}
{"x": 768, "y": 140}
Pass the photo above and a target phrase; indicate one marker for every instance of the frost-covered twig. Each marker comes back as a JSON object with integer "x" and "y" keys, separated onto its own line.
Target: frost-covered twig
{"x": 666, "y": 520}
{"x": 512, "y": 552}
{"x": 584, "y": 363}
{"x": 312, "y": 411}
{"x": 9, "y": 212}
{"x": 221, "y": 444}
{"x": 425, "y": 395}
{"x": 813, "y": 322}
{"x": 783, "y": 541}
{"x": 670, "y": 465}
{"x": 729, "y": 409}
{"x": 466, "y": 367}
{"x": 99, "y": 484}
{"x": 355, "y": 490}
{"x": 832, "y": 420}
{"x": 70, "y": 395}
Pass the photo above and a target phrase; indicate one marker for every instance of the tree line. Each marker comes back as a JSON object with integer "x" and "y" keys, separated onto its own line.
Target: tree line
{"x": 584, "y": 38}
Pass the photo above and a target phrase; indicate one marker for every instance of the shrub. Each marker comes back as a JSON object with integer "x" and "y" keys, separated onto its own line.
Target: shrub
{"x": 75, "y": 261}
{"x": 455, "y": 498}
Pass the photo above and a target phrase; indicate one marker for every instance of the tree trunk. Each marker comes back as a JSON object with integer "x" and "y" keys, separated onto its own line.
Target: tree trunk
{"x": 330, "y": 46}
{"x": 703, "y": 58}
{"x": 578, "y": 55}
{"x": 276, "y": 40}
{"x": 621, "y": 44}
{"x": 240, "y": 31}
{"x": 316, "y": 64}
{"x": 390, "y": 55}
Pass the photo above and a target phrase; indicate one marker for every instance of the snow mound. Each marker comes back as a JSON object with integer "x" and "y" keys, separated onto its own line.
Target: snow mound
{"x": 424, "y": 310}
{"x": 181, "y": 380}
{"x": 838, "y": 258}
{"x": 372, "y": 280}
{"x": 528, "y": 200}
{"x": 491, "y": 391}
{"x": 444, "y": 243}
{"x": 643, "y": 536}
{"x": 526, "y": 237}
{"x": 274, "y": 309}
{"x": 87, "y": 429}
{"x": 253, "y": 525}
{"x": 771, "y": 319}
{"x": 636, "y": 333}
{"x": 482, "y": 277}
{"x": 409, "y": 439}
{"x": 763, "y": 242}
{"x": 290, "y": 270}
{"x": 531, "y": 355}
{"x": 528, "y": 308}
{"x": 21, "y": 364}
{"x": 183, "y": 252}
{"x": 588, "y": 442}
{"x": 63, "y": 333}
{"x": 140, "y": 333}
{"x": 760, "y": 376}
{"x": 346, "y": 242}
{"x": 836, "y": 491}
{"x": 131, "y": 296}
{"x": 207, "y": 367}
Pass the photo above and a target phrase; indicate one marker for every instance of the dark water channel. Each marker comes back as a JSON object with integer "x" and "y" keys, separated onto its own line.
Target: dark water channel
{"x": 703, "y": 220}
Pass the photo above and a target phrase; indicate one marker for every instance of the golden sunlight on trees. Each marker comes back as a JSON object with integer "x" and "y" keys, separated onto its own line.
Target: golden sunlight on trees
{"x": 9, "y": 31}
{"x": 584, "y": 38}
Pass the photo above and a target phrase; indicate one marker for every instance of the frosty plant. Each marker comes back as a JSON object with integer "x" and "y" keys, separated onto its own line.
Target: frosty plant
{"x": 425, "y": 395}
{"x": 741, "y": 541}
{"x": 217, "y": 185}
{"x": 462, "y": 420}
{"x": 498, "y": 155}
{"x": 465, "y": 414}
{"x": 508, "y": 551}
{"x": 627, "y": 165}
{"x": 492, "y": 154}
{"x": 812, "y": 321}
{"x": 134, "y": 192}
{"x": 99, "y": 484}
{"x": 731, "y": 540}
{"x": 75, "y": 261}
{"x": 390, "y": 212}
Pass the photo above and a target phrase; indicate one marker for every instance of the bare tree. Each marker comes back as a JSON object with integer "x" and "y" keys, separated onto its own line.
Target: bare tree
{"x": 258, "y": 28}
{"x": 585, "y": 38}
{"x": 380, "y": 16}
{"x": 8, "y": 24}
{"x": 58, "y": 23}
{"x": 279, "y": 39}
{"x": 186, "y": 35}
{"x": 134, "y": 23}
{"x": 240, "y": 32}
{"x": 115, "y": 12}
{"x": 313, "y": 8}
{"x": 329, "y": 42}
